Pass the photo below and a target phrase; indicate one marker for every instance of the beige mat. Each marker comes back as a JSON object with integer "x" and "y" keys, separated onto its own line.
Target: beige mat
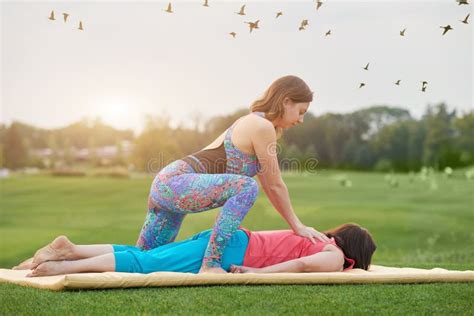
{"x": 377, "y": 274}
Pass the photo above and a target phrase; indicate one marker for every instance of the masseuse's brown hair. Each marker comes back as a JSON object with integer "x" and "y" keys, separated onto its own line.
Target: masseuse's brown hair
{"x": 356, "y": 243}
{"x": 271, "y": 102}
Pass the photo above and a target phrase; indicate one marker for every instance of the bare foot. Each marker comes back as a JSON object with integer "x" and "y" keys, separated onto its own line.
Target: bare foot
{"x": 212, "y": 270}
{"x": 49, "y": 268}
{"x": 243, "y": 269}
{"x": 60, "y": 249}
{"x": 25, "y": 265}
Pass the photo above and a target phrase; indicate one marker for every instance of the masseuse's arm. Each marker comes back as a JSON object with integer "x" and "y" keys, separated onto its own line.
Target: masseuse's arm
{"x": 264, "y": 142}
{"x": 325, "y": 261}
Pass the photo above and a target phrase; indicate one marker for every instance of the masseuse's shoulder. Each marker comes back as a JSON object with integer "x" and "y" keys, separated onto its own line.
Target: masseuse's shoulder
{"x": 259, "y": 126}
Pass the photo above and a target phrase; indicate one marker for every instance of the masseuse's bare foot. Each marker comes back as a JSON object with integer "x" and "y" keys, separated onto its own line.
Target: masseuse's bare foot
{"x": 60, "y": 249}
{"x": 212, "y": 270}
{"x": 49, "y": 268}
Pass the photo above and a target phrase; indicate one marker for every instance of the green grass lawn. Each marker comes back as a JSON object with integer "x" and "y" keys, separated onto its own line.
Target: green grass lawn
{"x": 415, "y": 224}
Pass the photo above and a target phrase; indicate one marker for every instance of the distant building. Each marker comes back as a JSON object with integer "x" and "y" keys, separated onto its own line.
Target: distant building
{"x": 123, "y": 149}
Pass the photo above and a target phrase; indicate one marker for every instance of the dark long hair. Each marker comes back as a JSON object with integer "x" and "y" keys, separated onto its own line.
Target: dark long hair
{"x": 356, "y": 243}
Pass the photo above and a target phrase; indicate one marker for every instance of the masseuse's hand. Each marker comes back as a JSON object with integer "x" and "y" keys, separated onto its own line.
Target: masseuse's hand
{"x": 311, "y": 233}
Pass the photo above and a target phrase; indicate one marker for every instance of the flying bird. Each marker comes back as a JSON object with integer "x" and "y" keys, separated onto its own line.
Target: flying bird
{"x": 241, "y": 12}
{"x": 465, "y": 19}
{"x": 65, "y": 15}
{"x": 206, "y": 3}
{"x": 253, "y": 25}
{"x": 367, "y": 66}
{"x": 398, "y": 82}
{"x": 423, "y": 86}
{"x": 51, "y": 17}
{"x": 446, "y": 28}
{"x": 303, "y": 24}
{"x": 361, "y": 85}
{"x": 328, "y": 33}
{"x": 279, "y": 14}
{"x": 233, "y": 34}
{"x": 402, "y": 32}
{"x": 80, "y": 26}
{"x": 169, "y": 9}
{"x": 319, "y": 3}
{"x": 462, "y": 2}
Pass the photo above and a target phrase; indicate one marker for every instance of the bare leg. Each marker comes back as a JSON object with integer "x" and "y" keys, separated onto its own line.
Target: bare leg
{"x": 102, "y": 263}
{"x": 63, "y": 249}
{"x": 89, "y": 251}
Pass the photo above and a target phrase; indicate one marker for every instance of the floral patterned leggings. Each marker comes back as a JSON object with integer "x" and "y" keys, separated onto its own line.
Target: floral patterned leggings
{"x": 178, "y": 190}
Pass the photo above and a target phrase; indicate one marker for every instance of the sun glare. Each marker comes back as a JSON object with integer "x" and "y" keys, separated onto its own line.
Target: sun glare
{"x": 116, "y": 114}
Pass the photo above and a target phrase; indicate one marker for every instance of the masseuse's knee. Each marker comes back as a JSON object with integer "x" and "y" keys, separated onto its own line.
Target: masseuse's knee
{"x": 249, "y": 191}
{"x": 253, "y": 187}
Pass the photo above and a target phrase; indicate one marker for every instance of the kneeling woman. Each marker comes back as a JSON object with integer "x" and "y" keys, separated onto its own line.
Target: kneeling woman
{"x": 350, "y": 246}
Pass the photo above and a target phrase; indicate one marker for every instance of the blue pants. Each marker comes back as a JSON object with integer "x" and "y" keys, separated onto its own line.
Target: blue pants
{"x": 182, "y": 256}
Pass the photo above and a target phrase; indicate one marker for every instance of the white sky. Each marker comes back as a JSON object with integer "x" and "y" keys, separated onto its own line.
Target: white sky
{"x": 133, "y": 58}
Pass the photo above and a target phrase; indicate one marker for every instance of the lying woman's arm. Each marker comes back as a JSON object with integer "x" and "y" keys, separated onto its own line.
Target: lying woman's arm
{"x": 325, "y": 261}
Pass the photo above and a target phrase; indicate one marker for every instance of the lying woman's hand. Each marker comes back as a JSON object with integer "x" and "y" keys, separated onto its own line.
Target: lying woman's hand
{"x": 243, "y": 269}
{"x": 311, "y": 234}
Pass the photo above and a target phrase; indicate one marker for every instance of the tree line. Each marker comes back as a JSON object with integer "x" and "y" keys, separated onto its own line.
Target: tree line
{"x": 379, "y": 138}
{"x": 386, "y": 138}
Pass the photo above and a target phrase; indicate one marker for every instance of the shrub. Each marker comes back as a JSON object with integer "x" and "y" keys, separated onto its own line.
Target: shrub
{"x": 67, "y": 172}
{"x": 113, "y": 172}
{"x": 383, "y": 165}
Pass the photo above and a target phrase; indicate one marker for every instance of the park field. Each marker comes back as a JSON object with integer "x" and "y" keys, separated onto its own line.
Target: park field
{"x": 418, "y": 223}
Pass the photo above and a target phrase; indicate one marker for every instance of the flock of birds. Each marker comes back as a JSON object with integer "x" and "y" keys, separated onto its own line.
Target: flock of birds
{"x": 254, "y": 25}
{"x": 445, "y": 30}
{"x": 304, "y": 23}
{"x": 65, "y": 17}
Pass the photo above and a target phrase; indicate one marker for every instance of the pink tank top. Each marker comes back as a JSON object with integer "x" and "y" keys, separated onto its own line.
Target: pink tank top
{"x": 267, "y": 248}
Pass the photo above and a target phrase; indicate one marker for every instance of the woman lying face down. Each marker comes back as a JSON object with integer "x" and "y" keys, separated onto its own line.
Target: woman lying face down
{"x": 350, "y": 246}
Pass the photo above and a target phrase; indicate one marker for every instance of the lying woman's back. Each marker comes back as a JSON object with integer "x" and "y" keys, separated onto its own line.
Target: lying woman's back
{"x": 267, "y": 248}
